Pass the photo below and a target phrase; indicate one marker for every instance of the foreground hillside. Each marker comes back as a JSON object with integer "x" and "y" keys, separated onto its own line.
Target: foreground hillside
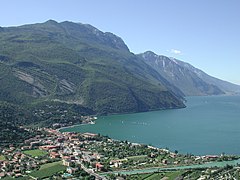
{"x": 78, "y": 64}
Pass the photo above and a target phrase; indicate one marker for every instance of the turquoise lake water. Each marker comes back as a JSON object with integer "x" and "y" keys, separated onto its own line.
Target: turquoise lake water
{"x": 209, "y": 125}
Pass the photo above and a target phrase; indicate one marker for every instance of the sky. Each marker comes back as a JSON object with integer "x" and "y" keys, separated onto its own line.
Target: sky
{"x": 204, "y": 33}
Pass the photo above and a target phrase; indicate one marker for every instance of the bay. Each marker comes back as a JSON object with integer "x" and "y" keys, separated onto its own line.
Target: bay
{"x": 208, "y": 125}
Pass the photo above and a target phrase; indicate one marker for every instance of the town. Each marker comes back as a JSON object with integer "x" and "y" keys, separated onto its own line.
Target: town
{"x": 67, "y": 155}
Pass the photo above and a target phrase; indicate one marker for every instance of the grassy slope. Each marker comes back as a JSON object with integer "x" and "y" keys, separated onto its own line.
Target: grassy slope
{"x": 48, "y": 170}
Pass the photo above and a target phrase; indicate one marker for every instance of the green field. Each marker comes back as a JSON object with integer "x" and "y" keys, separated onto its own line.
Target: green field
{"x": 47, "y": 170}
{"x": 139, "y": 176}
{"x": 156, "y": 176}
{"x": 2, "y": 158}
{"x": 20, "y": 178}
{"x": 35, "y": 153}
{"x": 173, "y": 175}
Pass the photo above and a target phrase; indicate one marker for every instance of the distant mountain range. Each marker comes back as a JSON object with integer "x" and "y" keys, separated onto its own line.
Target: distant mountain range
{"x": 76, "y": 63}
{"x": 190, "y": 80}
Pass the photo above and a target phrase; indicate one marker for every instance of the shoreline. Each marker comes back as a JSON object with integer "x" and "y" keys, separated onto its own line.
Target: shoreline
{"x": 72, "y": 126}
{"x": 185, "y": 147}
{"x": 136, "y": 143}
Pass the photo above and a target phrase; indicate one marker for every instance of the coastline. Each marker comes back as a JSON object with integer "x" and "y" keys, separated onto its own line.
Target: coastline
{"x": 149, "y": 146}
{"x": 88, "y": 123}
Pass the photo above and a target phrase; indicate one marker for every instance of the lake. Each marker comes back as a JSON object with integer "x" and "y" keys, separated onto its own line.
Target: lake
{"x": 209, "y": 125}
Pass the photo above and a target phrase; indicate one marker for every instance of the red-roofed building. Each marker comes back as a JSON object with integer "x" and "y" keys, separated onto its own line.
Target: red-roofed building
{"x": 54, "y": 155}
{"x": 99, "y": 166}
{"x": 46, "y": 148}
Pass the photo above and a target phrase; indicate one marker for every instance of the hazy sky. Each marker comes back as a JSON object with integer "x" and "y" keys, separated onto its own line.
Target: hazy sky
{"x": 205, "y": 33}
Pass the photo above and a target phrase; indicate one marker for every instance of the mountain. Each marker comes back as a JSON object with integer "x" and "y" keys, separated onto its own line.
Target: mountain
{"x": 190, "y": 80}
{"x": 78, "y": 64}
{"x": 227, "y": 87}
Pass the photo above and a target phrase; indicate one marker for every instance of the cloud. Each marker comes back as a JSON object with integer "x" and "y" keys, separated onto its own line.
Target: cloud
{"x": 175, "y": 51}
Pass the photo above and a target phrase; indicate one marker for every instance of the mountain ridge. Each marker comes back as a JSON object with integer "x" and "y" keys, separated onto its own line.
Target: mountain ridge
{"x": 190, "y": 80}
{"x": 72, "y": 62}
{"x": 78, "y": 64}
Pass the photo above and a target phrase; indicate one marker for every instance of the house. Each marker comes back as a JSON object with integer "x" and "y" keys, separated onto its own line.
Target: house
{"x": 173, "y": 155}
{"x": 25, "y": 147}
{"x": 99, "y": 167}
{"x": 89, "y": 135}
{"x": 18, "y": 175}
{"x": 54, "y": 155}
{"x": 72, "y": 158}
{"x": 117, "y": 163}
{"x": 211, "y": 157}
{"x": 11, "y": 174}
{"x": 67, "y": 162}
{"x": 71, "y": 170}
{"x": 66, "y": 157}
{"x": 60, "y": 140}
{"x": 17, "y": 171}
{"x": 17, "y": 155}
{"x": 35, "y": 143}
{"x": 46, "y": 148}
{"x": 164, "y": 161}
{"x": 2, "y": 175}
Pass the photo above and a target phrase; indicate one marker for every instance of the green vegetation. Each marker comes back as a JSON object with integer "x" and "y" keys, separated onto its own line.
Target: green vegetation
{"x": 11, "y": 117}
{"x": 120, "y": 149}
{"x": 55, "y": 72}
{"x": 49, "y": 169}
{"x": 2, "y": 158}
{"x": 227, "y": 172}
{"x": 122, "y": 155}
{"x": 78, "y": 64}
{"x": 139, "y": 176}
{"x": 137, "y": 158}
{"x": 171, "y": 175}
{"x": 35, "y": 153}
{"x": 19, "y": 178}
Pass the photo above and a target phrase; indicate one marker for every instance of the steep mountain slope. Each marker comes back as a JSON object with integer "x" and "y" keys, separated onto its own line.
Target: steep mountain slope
{"x": 78, "y": 64}
{"x": 227, "y": 87}
{"x": 190, "y": 80}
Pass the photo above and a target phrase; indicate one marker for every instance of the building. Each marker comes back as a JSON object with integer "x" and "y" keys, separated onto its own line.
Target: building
{"x": 99, "y": 167}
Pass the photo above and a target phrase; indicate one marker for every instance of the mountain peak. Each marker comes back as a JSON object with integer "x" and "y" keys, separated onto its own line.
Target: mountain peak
{"x": 89, "y": 32}
{"x": 149, "y": 55}
{"x": 50, "y": 21}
